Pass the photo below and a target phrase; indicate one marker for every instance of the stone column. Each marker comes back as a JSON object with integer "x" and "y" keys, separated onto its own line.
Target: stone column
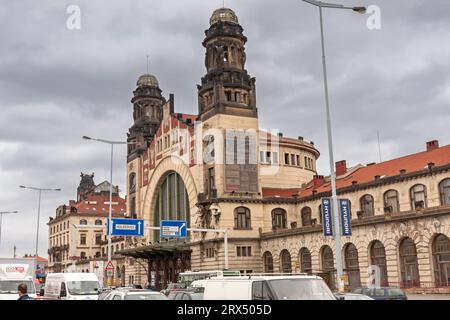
{"x": 364, "y": 262}
{"x": 425, "y": 266}
{"x": 392, "y": 265}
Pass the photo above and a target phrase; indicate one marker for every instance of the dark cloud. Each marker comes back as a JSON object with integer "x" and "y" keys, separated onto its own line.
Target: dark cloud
{"x": 57, "y": 85}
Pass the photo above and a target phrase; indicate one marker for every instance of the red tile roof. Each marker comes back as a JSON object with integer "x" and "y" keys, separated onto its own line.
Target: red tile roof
{"x": 279, "y": 193}
{"x": 364, "y": 174}
{"x": 102, "y": 204}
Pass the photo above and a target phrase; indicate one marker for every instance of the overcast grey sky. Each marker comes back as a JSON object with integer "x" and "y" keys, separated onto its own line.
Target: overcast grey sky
{"x": 58, "y": 84}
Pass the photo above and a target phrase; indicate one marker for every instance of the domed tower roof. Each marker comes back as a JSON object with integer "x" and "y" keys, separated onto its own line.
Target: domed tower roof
{"x": 147, "y": 80}
{"x": 223, "y": 14}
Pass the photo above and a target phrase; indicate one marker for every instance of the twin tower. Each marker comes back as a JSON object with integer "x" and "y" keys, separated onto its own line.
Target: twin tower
{"x": 227, "y": 88}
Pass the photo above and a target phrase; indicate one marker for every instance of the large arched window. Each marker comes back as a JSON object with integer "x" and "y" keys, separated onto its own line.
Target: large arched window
{"x": 279, "y": 219}
{"x": 441, "y": 259}
{"x": 242, "y": 218}
{"x": 444, "y": 190}
{"x": 328, "y": 270}
{"x": 391, "y": 202}
{"x": 172, "y": 202}
{"x": 418, "y": 194}
{"x": 132, "y": 183}
{"x": 306, "y": 216}
{"x": 367, "y": 205}
{"x": 378, "y": 258}
{"x": 352, "y": 266}
{"x": 409, "y": 266}
{"x": 268, "y": 262}
{"x": 305, "y": 261}
{"x": 285, "y": 258}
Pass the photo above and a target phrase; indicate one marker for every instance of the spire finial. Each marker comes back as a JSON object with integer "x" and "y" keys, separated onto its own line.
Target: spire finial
{"x": 147, "y": 62}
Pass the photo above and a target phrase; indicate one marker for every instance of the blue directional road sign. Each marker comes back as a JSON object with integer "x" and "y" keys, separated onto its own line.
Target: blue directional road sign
{"x": 173, "y": 229}
{"x": 127, "y": 227}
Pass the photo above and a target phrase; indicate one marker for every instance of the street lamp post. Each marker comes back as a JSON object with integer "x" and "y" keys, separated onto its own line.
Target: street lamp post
{"x": 334, "y": 207}
{"x": 39, "y": 210}
{"x": 111, "y": 143}
{"x": 1, "y": 218}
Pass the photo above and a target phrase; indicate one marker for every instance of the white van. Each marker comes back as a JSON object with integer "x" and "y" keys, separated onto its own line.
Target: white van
{"x": 72, "y": 286}
{"x": 265, "y": 288}
{"x": 14, "y": 272}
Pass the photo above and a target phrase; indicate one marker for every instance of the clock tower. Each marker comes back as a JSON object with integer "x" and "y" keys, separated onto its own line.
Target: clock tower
{"x": 226, "y": 88}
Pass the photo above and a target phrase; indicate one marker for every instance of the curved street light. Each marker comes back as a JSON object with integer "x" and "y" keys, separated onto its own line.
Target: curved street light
{"x": 39, "y": 210}
{"x": 334, "y": 207}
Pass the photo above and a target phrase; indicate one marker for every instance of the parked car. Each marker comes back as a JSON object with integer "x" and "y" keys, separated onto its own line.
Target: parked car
{"x": 287, "y": 287}
{"x": 383, "y": 293}
{"x": 134, "y": 294}
{"x": 187, "y": 294}
{"x": 352, "y": 296}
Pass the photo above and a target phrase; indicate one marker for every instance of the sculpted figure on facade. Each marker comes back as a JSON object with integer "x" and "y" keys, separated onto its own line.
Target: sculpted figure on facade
{"x": 215, "y": 215}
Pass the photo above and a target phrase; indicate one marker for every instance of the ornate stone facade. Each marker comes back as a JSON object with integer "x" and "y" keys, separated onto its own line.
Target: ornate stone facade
{"x": 183, "y": 174}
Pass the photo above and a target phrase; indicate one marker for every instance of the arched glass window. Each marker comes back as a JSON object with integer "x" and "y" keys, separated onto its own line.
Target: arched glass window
{"x": 367, "y": 205}
{"x": 172, "y": 202}
{"x": 391, "y": 203}
{"x": 279, "y": 219}
{"x": 83, "y": 222}
{"x": 327, "y": 259}
{"x": 328, "y": 270}
{"x": 441, "y": 259}
{"x": 444, "y": 190}
{"x": 378, "y": 258}
{"x": 132, "y": 183}
{"x": 268, "y": 262}
{"x": 242, "y": 218}
{"x": 352, "y": 266}
{"x": 285, "y": 258}
{"x": 408, "y": 264}
{"x": 418, "y": 194}
{"x": 306, "y": 216}
{"x": 305, "y": 261}
{"x": 98, "y": 222}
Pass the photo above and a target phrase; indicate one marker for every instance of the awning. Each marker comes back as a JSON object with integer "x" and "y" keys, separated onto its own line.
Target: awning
{"x": 154, "y": 250}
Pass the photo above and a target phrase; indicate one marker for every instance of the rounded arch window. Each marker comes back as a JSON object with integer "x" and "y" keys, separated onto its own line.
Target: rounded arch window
{"x": 408, "y": 263}
{"x": 268, "y": 262}
{"x": 306, "y": 216}
{"x": 285, "y": 258}
{"x": 418, "y": 194}
{"x": 305, "y": 261}
{"x": 444, "y": 190}
{"x": 279, "y": 218}
{"x": 378, "y": 258}
{"x": 391, "y": 202}
{"x": 441, "y": 260}
{"x": 242, "y": 218}
{"x": 367, "y": 205}
{"x": 172, "y": 201}
{"x": 98, "y": 222}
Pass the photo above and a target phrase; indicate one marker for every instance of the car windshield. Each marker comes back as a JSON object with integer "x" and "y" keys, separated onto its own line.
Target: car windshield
{"x": 10, "y": 286}
{"x": 83, "y": 287}
{"x": 145, "y": 296}
{"x": 301, "y": 289}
